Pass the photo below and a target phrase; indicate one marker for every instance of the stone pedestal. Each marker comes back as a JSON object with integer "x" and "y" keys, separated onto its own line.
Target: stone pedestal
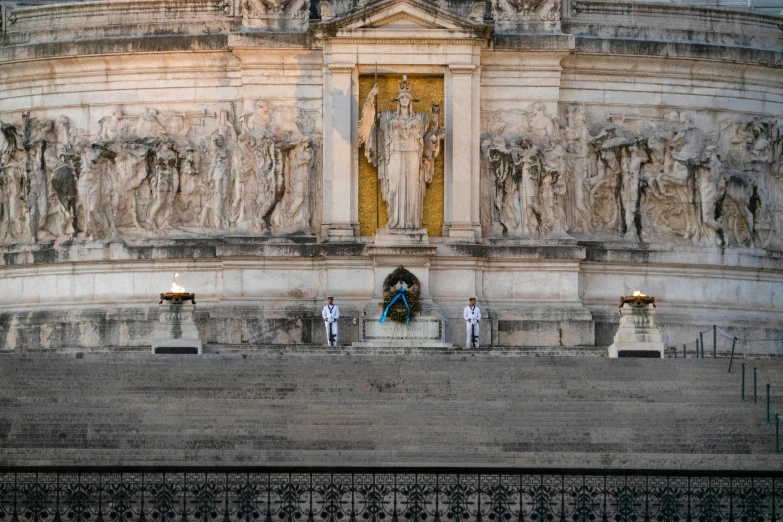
{"x": 426, "y": 330}
{"x": 638, "y": 336}
{"x": 401, "y": 236}
{"x": 176, "y": 332}
{"x": 408, "y": 248}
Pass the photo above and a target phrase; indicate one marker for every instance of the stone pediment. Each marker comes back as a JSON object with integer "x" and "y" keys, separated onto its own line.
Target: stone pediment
{"x": 403, "y": 18}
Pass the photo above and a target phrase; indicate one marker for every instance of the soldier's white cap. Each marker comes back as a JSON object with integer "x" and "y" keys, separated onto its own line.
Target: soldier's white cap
{"x": 330, "y": 297}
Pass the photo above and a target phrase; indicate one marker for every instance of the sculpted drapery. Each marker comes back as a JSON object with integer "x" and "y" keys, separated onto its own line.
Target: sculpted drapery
{"x": 401, "y": 144}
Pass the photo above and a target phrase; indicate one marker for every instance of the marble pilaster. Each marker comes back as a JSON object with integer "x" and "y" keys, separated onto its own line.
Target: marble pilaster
{"x": 462, "y": 160}
{"x": 338, "y": 173}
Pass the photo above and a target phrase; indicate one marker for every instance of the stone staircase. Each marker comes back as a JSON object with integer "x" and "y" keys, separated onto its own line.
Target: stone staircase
{"x": 480, "y": 409}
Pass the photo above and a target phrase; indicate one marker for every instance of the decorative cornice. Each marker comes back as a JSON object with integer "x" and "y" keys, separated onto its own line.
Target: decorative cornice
{"x": 678, "y": 10}
{"x": 479, "y": 42}
{"x": 341, "y": 67}
{"x": 365, "y": 12}
{"x": 412, "y": 255}
{"x": 462, "y": 68}
{"x": 407, "y": 17}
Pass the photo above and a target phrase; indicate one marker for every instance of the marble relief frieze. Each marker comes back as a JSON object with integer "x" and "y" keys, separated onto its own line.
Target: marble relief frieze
{"x": 147, "y": 173}
{"x": 655, "y": 179}
{"x": 275, "y": 14}
{"x": 513, "y": 15}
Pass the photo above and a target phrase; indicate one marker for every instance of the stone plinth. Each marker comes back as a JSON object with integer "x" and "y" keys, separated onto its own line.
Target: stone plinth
{"x": 175, "y": 331}
{"x": 424, "y": 331}
{"x": 638, "y": 336}
{"x": 401, "y": 236}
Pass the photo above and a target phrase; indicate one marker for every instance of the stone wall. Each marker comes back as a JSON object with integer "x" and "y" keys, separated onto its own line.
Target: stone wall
{"x": 590, "y": 149}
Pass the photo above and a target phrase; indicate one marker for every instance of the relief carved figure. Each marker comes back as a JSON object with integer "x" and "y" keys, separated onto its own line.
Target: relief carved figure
{"x": 526, "y": 161}
{"x": 256, "y": 8}
{"x": 112, "y": 128}
{"x": 277, "y": 195}
{"x": 634, "y": 158}
{"x": 650, "y": 179}
{"x": 164, "y": 184}
{"x": 188, "y": 202}
{"x": 92, "y": 190}
{"x": 41, "y": 150}
{"x": 215, "y": 184}
{"x": 395, "y": 143}
{"x": 244, "y": 165}
{"x": 277, "y": 13}
{"x": 602, "y": 188}
{"x": 326, "y": 9}
{"x": 553, "y": 188}
{"x": 294, "y": 212}
{"x": 509, "y": 14}
{"x": 578, "y": 166}
{"x": 148, "y": 125}
{"x": 64, "y": 180}
{"x": 712, "y": 187}
{"x": 148, "y": 174}
{"x": 13, "y": 161}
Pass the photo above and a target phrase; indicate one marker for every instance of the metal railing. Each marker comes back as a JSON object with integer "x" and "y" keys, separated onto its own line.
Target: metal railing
{"x": 718, "y": 333}
{"x": 379, "y": 494}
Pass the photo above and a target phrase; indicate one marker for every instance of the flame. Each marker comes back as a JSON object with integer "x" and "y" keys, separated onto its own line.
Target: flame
{"x": 637, "y": 293}
{"x": 175, "y": 288}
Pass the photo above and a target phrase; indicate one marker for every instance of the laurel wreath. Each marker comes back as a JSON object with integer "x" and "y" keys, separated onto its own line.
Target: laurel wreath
{"x": 398, "y": 312}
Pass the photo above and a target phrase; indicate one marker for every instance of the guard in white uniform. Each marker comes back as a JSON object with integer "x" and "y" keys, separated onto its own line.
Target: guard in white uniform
{"x": 472, "y": 316}
{"x": 330, "y": 314}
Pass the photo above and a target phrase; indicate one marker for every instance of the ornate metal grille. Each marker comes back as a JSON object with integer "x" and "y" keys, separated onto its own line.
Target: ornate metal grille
{"x": 380, "y": 495}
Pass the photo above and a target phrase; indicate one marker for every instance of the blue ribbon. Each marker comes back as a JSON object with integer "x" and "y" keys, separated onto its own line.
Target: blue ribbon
{"x": 400, "y": 293}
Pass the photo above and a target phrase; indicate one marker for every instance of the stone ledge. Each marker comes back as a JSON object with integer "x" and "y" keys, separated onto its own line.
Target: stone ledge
{"x": 140, "y": 44}
{"x": 616, "y": 252}
{"x": 669, "y": 49}
{"x": 535, "y": 42}
{"x": 203, "y": 248}
{"x": 590, "y": 251}
{"x": 345, "y": 410}
{"x": 678, "y": 12}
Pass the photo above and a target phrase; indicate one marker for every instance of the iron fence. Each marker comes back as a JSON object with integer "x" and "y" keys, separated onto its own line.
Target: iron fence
{"x": 387, "y": 495}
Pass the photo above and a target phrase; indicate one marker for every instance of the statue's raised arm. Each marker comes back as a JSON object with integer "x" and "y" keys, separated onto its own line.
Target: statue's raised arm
{"x": 394, "y": 142}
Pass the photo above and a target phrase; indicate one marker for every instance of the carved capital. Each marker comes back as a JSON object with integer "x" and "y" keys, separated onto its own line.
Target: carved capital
{"x": 462, "y": 68}
{"x": 341, "y": 68}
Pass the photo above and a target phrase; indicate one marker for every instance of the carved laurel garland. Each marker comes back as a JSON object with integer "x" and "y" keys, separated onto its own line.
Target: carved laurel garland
{"x": 398, "y": 312}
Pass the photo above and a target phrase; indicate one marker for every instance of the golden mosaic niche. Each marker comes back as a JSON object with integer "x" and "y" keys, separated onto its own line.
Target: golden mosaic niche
{"x": 372, "y": 208}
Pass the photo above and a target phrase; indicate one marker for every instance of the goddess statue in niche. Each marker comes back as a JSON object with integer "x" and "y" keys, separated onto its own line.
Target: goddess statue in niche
{"x": 396, "y": 143}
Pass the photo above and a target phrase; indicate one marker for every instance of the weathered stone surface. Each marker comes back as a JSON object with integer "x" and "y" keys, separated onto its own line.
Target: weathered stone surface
{"x": 638, "y": 334}
{"x": 486, "y": 409}
{"x": 589, "y": 148}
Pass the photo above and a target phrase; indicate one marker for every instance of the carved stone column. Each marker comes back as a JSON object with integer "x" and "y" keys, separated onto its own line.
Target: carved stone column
{"x": 462, "y": 153}
{"x": 338, "y": 170}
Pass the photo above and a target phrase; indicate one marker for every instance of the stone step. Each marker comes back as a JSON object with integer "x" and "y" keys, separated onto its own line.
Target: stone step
{"x": 308, "y": 409}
